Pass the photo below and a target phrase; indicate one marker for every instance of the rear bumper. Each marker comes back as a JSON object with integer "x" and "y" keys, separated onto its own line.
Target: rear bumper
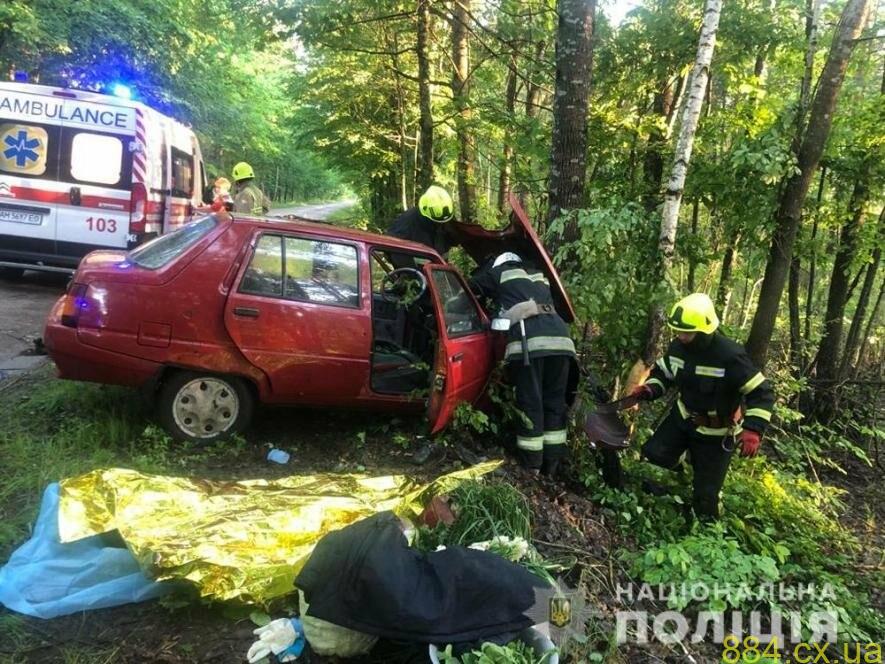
{"x": 75, "y": 360}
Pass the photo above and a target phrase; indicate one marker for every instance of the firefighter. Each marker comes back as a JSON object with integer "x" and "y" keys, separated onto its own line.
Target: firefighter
{"x": 713, "y": 375}
{"x": 539, "y": 353}
{"x": 426, "y": 222}
{"x": 248, "y": 197}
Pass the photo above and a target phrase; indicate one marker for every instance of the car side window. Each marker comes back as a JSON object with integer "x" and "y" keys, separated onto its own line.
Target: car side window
{"x": 321, "y": 272}
{"x": 459, "y": 309}
{"x": 305, "y": 270}
{"x": 264, "y": 276}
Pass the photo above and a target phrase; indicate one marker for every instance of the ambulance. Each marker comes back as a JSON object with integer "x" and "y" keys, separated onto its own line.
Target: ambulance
{"x": 81, "y": 171}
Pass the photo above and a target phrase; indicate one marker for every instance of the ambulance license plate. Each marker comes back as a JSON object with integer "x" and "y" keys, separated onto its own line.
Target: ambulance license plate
{"x": 18, "y": 217}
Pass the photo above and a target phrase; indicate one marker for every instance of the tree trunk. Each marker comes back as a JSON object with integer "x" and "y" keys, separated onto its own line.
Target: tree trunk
{"x": 723, "y": 293}
{"x": 533, "y": 90}
{"x": 464, "y": 113}
{"x": 812, "y": 263}
{"x": 831, "y": 341}
{"x": 507, "y": 156}
{"x": 568, "y": 167}
{"x": 853, "y": 340}
{"x": 795, "y": 323}
{"x": 690, "y": 115}
{"x": 425, "y": 149}
{"x": 692, "y": 260}
{"x": 697, "y": 89}
{"x": 793, "y": 196}
{"x": 653, "y": 171}
{"x": 866, "y": 335}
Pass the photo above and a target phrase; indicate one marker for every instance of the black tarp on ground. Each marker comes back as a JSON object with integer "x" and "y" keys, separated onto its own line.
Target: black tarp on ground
{"x": 366, "y": 577}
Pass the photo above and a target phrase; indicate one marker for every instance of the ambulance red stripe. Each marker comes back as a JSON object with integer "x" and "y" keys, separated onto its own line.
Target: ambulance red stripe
{"x": 30, "y": 195}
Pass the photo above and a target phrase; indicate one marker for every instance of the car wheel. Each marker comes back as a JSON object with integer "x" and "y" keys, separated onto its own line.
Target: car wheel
{"x": 203, "y": 407}
{"x": 11, "y": 272}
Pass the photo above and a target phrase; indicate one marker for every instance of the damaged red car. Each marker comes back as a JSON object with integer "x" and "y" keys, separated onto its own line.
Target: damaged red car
{"x": 227, "y": 313}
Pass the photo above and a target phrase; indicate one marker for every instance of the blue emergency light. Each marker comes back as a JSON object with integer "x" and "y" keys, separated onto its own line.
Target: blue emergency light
{"x": 20, "y": 76}
{"x": 122, "y": 91}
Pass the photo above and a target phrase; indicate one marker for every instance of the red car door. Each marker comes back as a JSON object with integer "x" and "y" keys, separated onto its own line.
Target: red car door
{"x": 295, "y": 312}
{"x": 464, "y": 353}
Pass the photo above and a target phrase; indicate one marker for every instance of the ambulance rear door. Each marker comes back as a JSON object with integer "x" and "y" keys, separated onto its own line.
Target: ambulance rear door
{"x": 182, "y": 176}
{"x": 29, "y": 148}
{"x": 96, "y": 167}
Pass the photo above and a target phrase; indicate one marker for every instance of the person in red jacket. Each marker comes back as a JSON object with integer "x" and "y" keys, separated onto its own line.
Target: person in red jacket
{"x": 714, "y": 376}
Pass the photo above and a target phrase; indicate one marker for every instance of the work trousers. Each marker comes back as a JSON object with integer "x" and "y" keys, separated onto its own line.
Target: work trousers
{"x": 541, "y": 397}
{"x": 708, "y": 456}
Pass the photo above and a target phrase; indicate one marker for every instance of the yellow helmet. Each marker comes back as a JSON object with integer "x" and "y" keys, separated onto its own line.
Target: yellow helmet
{"x": 694, "y": 313}
{"x": 243, "y": 171}
{"x": 436, "y": 204}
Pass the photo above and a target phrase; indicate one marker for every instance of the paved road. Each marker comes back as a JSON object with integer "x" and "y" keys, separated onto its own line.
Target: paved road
{"x": 317, "y": 212}
{"x": 24, "y": 304}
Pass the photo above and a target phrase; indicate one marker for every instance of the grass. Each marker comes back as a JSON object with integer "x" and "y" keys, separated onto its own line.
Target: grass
{"x": 54, "y": 429}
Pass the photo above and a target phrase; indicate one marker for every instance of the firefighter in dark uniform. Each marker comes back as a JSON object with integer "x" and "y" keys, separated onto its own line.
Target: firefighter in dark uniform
{"x": 713, "y": 375}
{"x": 426, "y": 222}
{"x": 538, "y": 355}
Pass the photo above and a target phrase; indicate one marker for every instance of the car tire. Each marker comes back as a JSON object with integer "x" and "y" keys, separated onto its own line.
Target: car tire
{"x": 11, "y": 273}
{"x": 203, "y": 407}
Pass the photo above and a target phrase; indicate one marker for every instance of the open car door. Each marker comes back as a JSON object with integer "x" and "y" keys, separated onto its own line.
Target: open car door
{"x": 464, "y": 353}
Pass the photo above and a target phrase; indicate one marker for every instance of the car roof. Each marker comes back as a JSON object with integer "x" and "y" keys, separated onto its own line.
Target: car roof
{"x": 332, "y": 231}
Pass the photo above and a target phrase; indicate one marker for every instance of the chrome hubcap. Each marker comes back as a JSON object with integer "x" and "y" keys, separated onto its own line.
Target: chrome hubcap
{"x": 205, "y": 407}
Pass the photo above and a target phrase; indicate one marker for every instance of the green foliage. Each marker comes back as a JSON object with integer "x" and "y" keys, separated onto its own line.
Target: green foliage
{"x": 515, "y": 652}
{"x": 708, "y": 556}
{"x": 615, "y": 289}
{"x": 484, "y": 510}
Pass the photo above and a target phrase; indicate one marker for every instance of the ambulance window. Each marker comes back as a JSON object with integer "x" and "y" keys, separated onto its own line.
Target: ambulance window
{"x": 96, "y": 158}
{"x": 25, "y": 149}
{"x": 182, "y": 173}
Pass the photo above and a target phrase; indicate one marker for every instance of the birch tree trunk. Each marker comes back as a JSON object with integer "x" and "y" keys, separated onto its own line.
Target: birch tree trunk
{"x": 691, "y": 111}
{"x": 685, "y": 143}
{"x": 789, "y": 211}
{"x": 507, "y": 156}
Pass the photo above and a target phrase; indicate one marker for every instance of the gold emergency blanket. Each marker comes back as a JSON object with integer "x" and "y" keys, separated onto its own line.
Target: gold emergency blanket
{"x": 244, "y": 540}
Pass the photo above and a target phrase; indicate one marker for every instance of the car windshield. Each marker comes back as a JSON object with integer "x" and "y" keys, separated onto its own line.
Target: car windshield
{"x": 160, "y": 251}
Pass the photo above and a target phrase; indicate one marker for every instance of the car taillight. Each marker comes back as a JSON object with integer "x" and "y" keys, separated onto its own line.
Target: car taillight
{"x": 75, "y": 301}
{"x": 138, "y": 208}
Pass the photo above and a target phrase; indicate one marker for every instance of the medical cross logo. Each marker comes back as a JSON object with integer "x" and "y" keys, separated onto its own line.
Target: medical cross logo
{"x": 23, "y": 149}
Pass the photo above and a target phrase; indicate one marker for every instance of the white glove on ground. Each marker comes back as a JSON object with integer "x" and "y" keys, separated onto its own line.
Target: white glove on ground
{"x": 274, "y": 638}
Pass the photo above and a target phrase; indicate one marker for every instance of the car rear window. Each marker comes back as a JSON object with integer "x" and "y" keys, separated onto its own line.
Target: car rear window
{"x": 163, "y": 249}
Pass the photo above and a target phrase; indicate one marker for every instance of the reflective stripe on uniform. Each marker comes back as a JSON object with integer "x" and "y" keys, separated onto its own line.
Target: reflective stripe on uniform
{"x": 530, "y": 443}
{"x": 761, "y": 413}
{"x": 677, "y": 363}
{"x": 753, "y": 383}
{"x": 707, "y": 431}
{"x": 559, "y": 344}
{"x": 662, "y": 365}
{"x": 713, "y": 372}
{"x": 557, "y": 437}
{"x": 519, "y": 273}
{"x": 655, "y": 381}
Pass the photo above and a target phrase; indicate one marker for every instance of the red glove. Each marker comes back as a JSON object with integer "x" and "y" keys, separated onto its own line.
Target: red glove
{"x": 750, "y": 442}
{"x": 644, "y": 392}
